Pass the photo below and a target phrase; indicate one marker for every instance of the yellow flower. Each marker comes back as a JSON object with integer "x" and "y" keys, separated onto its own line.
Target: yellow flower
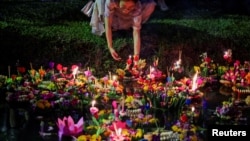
{"x": 141, "y": 64}
{"x": 152, "y": 120}
{"x": 101, "y": 112}
{"x": 193, "y": 128}
{"x": 125, "y": 132}
{"x": 82, "y": 138}
{"x": 129, "y": 99}
{"x": 154, "y": 86}
{"x": 181, "y": 136}
{"x": 175, "y": 128}
{"x": 96, "y": 138}
{"x": 138, "y": 133}
{"x": 146, "y": 88}
{"x": 137, "y": 120}
{"x": 120, "y": 72}
{"x": 171, "y": 92}
{"x": 247, "y": 100}
{"x": 196, "y": 68}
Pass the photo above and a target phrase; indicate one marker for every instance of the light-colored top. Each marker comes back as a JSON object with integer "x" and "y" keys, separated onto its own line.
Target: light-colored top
{"x": 120, "y": 21}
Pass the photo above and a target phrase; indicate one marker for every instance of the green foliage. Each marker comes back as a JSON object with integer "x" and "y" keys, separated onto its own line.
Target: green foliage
{"x": 58, "y": 31}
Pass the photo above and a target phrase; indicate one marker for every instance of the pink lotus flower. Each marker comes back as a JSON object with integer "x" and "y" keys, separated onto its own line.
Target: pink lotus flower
{"x": 67, "y": 126}
{"x": 88, "y": 73}
{"x": 117, "y": 125}
{"x": 116, "y": 134}
{"x": 105, "y": 79}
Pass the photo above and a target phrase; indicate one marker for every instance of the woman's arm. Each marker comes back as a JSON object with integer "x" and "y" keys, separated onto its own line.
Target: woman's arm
{"x": 108, "y": 32}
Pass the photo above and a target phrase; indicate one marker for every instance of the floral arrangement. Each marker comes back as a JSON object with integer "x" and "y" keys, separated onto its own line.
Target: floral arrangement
{"x": 223, "y": 111}
{"x": 185, "y": 128}
{"x": 227, "y": 111}
{"x": 119, "y": 114}
{"x": 236, "y": 73}
{"x": 207, "y": 66}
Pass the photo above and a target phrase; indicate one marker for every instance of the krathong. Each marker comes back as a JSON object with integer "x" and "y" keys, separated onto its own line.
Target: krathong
{"x": 131, "y": 102}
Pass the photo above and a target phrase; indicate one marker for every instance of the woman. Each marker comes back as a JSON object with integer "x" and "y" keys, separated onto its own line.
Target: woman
{"x": 122, "y": 15}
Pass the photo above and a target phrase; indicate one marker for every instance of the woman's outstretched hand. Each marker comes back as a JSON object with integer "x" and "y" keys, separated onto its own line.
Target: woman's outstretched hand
{"x": 114, "y": 54}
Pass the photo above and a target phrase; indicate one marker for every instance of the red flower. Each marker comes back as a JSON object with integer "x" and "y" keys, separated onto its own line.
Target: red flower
{"x": 13, "y": 77}
{"x": 59, "y": 67}
{"x": 207, "y": 59}
{"x": 136, "y": 58}
{"x": 73, "y": 67}
{"x": 184, "y": 118}
{"x": 21, "y": 69}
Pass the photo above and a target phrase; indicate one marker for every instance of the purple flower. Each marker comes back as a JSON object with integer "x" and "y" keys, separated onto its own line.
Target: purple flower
{"x": 51, "y": 65}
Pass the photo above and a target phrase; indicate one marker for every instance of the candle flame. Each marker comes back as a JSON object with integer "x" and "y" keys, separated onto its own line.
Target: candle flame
{"x": 193, "y": 108}
{"x": 114, "y": 77}
{"x": 194, "y": 82}
{"x": 93, "y": 103}
{"x": 74, "y": 71}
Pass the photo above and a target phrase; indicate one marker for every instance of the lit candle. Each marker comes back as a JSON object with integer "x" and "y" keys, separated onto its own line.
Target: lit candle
{"x": 93, "y": 103}
{"x": 193, "y": 109}
{"x": 129, "y": 61}
{"x": 194, "y": 82}
{"x": 75, "y": 71}
{"x": 192, "y": 114}
{"x": 115, "y": 81}
{"x": 156, "y": 61}
{"x": 151, "y": 69}
{"x": 114, "y": 77}
{"x": 227, "y": 54}
{"x": 94, "y": 110}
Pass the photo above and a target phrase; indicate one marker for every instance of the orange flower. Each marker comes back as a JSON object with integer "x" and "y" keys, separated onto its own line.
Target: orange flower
{"x": 107, "y": 133}
{"x": 247, "y": 77}
{"x": 32, "y": 72}
{"x": 42, "y": 72}
{"x": 42, "y": 104}
{"x": 47, "y": 104}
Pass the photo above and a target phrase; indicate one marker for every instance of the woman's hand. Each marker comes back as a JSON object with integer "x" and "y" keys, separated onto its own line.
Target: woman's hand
{"x": 114, "y": 54}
